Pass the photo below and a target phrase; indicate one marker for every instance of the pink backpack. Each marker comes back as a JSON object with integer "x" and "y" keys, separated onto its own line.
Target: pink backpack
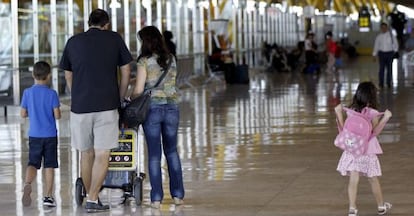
{"x": 356, "y": 133}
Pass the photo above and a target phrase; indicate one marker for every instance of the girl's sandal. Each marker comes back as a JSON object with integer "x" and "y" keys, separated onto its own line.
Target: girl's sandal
{"x": 353, "y": 212}
{"x": 382, "y": 210}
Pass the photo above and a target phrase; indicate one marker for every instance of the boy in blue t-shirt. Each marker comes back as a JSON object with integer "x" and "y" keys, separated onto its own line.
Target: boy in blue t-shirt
{"x": 41, "y": 105}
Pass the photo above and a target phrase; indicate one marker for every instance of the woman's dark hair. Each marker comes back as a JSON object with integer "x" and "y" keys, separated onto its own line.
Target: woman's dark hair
{"x": 168, "y": 35}
{"x": 98, "y": 17}
{"x": 153, "y": 43}
{"x": 41, "y": 70}
{"x": 365, "y": 96}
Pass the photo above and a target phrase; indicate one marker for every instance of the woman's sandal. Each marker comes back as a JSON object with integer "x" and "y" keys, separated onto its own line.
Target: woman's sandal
{"x": 353, "y": 212}
{"x": 382, "y": 210}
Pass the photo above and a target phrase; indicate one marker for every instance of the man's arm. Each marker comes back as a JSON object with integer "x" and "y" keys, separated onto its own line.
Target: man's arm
{"x": 125, "y": 75}
{"x": 68, "y": 77}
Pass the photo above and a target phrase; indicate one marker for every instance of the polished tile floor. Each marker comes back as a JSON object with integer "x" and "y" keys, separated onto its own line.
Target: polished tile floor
{"x": 263, "y": 149}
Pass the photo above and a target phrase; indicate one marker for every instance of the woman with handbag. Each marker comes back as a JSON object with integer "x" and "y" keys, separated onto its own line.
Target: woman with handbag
{"x": 155, "y": 63}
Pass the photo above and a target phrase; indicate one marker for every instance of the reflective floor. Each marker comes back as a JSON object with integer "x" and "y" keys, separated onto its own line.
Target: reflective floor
{"x": 263, "y": 149}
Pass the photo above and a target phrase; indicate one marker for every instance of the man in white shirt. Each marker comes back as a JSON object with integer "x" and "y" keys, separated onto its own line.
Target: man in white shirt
{"x": 386, "y": 45}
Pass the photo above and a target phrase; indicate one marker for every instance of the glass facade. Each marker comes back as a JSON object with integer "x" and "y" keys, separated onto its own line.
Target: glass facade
{"x": 40, "y": 29}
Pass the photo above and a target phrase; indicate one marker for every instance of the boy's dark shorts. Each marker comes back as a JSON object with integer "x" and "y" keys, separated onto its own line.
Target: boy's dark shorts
{"x": 43, "y": 148}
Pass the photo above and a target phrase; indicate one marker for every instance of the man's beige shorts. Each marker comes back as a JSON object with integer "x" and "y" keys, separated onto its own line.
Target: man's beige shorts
{"x": 97, "y": 130}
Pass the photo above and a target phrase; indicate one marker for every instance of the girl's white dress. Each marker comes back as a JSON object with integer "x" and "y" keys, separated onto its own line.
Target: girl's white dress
{"x": 367, "y": 164}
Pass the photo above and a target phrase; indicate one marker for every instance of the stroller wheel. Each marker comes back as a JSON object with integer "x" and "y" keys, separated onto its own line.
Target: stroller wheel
{"x": 79, "y": 191}
{"x": 138, "y": 191}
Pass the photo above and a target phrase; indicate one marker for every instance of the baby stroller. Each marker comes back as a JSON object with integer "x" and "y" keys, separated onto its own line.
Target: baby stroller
{"x": 123, "y": 172}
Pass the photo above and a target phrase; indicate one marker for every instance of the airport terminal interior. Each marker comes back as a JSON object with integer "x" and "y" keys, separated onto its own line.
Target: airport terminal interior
{"x": 262, "y": 146}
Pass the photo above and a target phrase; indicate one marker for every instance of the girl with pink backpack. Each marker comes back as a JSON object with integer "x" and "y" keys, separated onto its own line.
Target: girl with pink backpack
{"x": 365, "y": 164}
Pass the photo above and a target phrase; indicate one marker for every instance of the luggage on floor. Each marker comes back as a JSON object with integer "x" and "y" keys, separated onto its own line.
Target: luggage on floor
{"x": 242, "y": 74}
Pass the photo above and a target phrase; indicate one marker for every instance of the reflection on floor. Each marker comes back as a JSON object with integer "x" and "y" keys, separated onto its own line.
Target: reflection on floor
{"x": 261, "y": 149}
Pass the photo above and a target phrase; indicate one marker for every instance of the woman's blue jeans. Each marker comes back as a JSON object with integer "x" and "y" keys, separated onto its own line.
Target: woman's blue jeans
{"x": 162, "y": 121}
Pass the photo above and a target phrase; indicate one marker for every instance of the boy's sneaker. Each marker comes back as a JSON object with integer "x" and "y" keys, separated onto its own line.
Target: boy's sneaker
{"x": 49, "y": 201}
{"x": 26, "y": 199}
{"x": 382, "y": 210}
{"x": 95, "y": 207}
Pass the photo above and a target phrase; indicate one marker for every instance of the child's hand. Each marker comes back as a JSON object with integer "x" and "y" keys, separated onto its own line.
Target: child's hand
{"x": 387, "y": 114}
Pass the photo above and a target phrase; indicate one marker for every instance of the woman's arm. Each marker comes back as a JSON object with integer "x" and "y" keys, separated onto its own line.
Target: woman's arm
{"x": 139, "y": 81}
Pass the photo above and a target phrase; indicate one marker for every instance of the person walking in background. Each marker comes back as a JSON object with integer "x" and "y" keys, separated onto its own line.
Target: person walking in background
{"x": 163, "y": 116}
{"x": 409, "y": 48}
{"x": 41, "y": 105}
{"x": 168, "y": 36}
{"x": 409, "y": 43}
{"x": 310, "y": 52}
{"x": 385, "y": 47}
{"x": 331, "y": 48}
{"x": 91, "y": 60}
{"x": 367, "y": 164}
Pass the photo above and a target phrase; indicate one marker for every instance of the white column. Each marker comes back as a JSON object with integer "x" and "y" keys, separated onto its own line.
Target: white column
{"x": 240, "y": 33}
{"x": 54, "y": 45}
{"x": 168, "y": 17}
{"x": 255, "y": 36}
{"x": 186, "y": 30}
{"x": 69, "y": 18}
{"x": 250, "y": 35}
{"x": 138, "y": 21}
{"x": 86, "y": 14}
{"x": 100, "y": 4}
{"x": 15, "y": 51}
{"x": 269, "y": 28}
{"x": 177, "y": 32}
{"x": 246, "y": 35}
{"x": 127, "y": 31}
{"x": 202, "y": 37}
{"x": 159, "y": 15}
{"x": 196, "y": 39}
{"x": 114, "y": 23}
{"x": 148, "y": 7}
{"x": 274, "y": 27}
{"x": 35, "y": 18}
{"x": 235, "y": 33}
{"x": 209, "y": 35}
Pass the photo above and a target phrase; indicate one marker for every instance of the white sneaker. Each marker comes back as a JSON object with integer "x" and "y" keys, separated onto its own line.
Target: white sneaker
{"x": 178, "y": 201}
{"x": 49, "y": 201}
{"x": 353, "y": 212}
{"x": 382, "y": 210}
{"x": 156, "y": 205}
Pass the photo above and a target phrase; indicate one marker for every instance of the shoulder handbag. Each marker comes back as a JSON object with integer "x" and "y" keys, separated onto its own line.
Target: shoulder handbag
{"x": 135, "y": 112}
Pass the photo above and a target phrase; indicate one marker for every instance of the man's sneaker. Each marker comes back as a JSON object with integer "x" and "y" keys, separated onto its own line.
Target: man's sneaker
{"x": 95, "y": 207}
{"x": 26, "y": 199}
{"x": 382, "y": 210}
{"x": 49, "y": 201}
